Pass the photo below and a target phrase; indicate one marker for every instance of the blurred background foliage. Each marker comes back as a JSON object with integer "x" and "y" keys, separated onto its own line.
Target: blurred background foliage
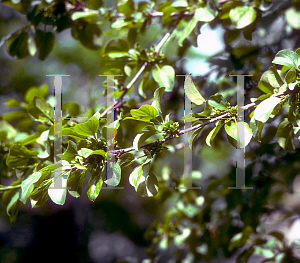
{"x": 212, "y": 224}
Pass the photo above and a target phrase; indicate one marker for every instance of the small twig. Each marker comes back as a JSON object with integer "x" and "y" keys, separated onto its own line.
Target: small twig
{"x": 141, "y": 70}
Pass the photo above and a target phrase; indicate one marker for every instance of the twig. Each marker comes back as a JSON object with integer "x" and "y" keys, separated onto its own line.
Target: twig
{"x": 180, "y": 132}
{"x": 141, "y": 70}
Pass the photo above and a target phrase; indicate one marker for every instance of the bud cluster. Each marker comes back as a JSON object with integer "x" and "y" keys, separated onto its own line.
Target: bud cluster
{"x": 170, "y": 128}
{"x": 155, "y": 148}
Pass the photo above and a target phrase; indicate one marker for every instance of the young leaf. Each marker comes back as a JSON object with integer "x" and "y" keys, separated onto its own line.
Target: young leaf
{"x": 88, "y": 128}
{"x": 39, "y": 196}
{"x": 116, "y": 178}
{"x": 217, "y": 101}
{"x": 126, "y": 159}
{"x": 191, "y": 91}
{"x": 287, "y": 58}
{"x": 242, "y": 16}
{"x": 71, "y": 152}
{"x": 58, "y": 189}
{"x": 27, "y": 185}
{"x": 127, "y": 8}
{"x": 164, "y": 76}
{"x": 13, "y": 207}
{"x": 211, "y": 136}
{"x": 152, "y": 184}
{"x": 136, "y": 177}
{"x": 117, "y": 48}
{"x": 265, "y": 108}
{"x": 17, "y": 44}
{"x": 291, "y": 75}
{"x": 19, "y": 156}
{"x": 285, "y": 135}
{"x": 256, "y": 128}
{"x": 83, "y": 14}
{"x": 204, "y": 14}
{"x": 94, "y": 185}
{"x": 40, "y": 110}
{"x": 147, "y": 132}
{"x": 75, "y": 181}
{"x": 144, "y": 113}
{"x": 240, "y": 132}
{"x": 195, "y": 133}
{"x": 44, "y": 42}
{"x": 157, "y": 98}
{"x": 270, "y": 80}
{"x": 70, "y": 132}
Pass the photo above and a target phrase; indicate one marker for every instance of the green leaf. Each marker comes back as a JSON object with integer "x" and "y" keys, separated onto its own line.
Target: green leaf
{"x": 34, "y": 91}
{"x": 256, "y": 128}
{"x": 99, "y": 152}
{"x": 58, "y": 189}
{"x": 157, "y": 98}
{"x": 292, "y": 16}
{"x": 191, "y": 91}
{"x": 126, "y": 159}
{"x": 149, "y": 187}
{"x": 147, "y": 132}
{"x": 9, "y": 187}
{"x": 10, "y": 198}
{"x": 291, "y": 75}
{"x": 164, "y": 76}
{"x": 264, "y": 109}
{"x": 213, "y": 133}
{"x": 84, "y": 14}
{"x": 143, "y": 84}
{"x": 74, "y": 183}
{"x": 94, "y": 185}
{"x": 195, "y": 133}
{"x": 189, "y": 27}
{"x": 270, "y": 80}
{"x": 88, "y": 34}
{"x": 242, "y": 16}
{"x": 136, "y": 177}
{"x": 287, "y": 58}
{"x": 285, "y": 135}
{"x": 13, "y": 207}
{"x": 71, "y": 152}
{"x": 44, "y": 42}
{"x": 40, "y": 110}
{"x": 88, "y": 128}
{"x": 204, "y": 14}
{"x": 70, "y": 132}
{"x": 30, "y": 139}
{"x": 9, "y": 129}
{"x": 27, "y": 185}
{"x": 217, "y": 101}
{"x": 116, "y": 178}
{"x": 127, "y": 8}
{"x": 13, "y": 102}
{"x": 144, "y": 113}
{"x": 240, "y": 132}
{"x": 39, "y": 196}
{"x": 17, "y": 44}
{"x": 240, "y": 239}
{"x": 117, "y": 48}
{"x": 225, "y": 9}
{"x": 19, "y": 156}
{"x": 72, "y": 107}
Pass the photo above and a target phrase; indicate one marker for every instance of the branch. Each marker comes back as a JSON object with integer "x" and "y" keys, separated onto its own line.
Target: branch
{"x": 141, "y": 70}
{"x": 213, "y": 120}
